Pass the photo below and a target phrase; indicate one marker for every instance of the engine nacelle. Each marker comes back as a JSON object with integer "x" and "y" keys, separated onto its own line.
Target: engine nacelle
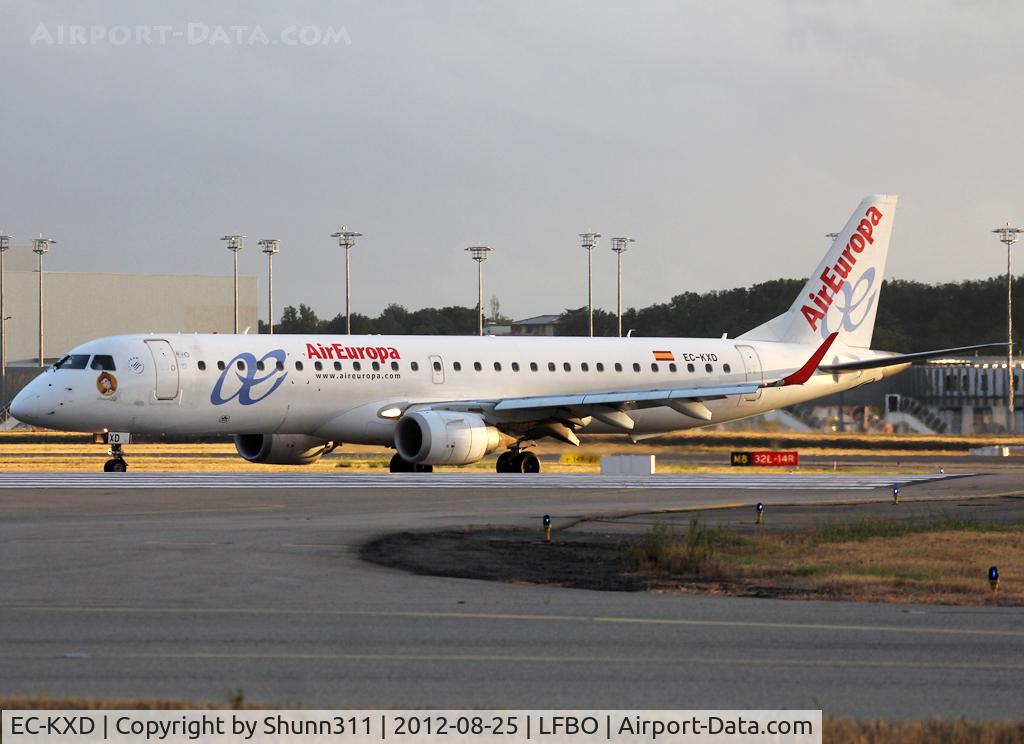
{"x": 280, "y": 449}
{"x": 444, "y": 438}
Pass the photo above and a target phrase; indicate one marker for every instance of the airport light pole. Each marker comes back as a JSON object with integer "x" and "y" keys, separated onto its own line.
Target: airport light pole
{"x": 479, "y": 254}
{"x": 589, "y": 241}
{"x": 41, "y": 246}
{"x": 619, "y": 245}
{"x": 235, "y": 244}
{"x": 5, "y": 244}
{"x": 270, "y": 247}
{"x": 347, "y": 239}
{"x": 1009, "y": 236}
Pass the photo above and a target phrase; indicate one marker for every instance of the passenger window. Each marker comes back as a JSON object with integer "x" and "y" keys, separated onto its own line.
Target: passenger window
{"x": 654, "y": 367}
{"x": 376, "y": 366}
{"x": 240, "y": 365}
{"x": 708, "y": 368}
{"x": 726, "y": 368}
{"x": 636, "y": 366}
{"x": 515, "y": 366}
{"x": 103, "y": 362}
{"x": 618, "y": 367}
{"x": 280, "y": 366}
{"x": 497, "y": 366}
{"x": 477, "y": 366}
{"x": 298, "y": 366}
{"x": 584, "y": 367}
{"x": 689, "y": 368}
{"x": 220, "y": 366}
{"x": 357, "y": 366}
{"x": 599, "y": 366}
{"x": 566, "y": 366}
{"x": 551, "y": 366}
{"x": 201, "y": 365}
{"x": 437, "y": 366}
{"x": 673, "y": 368}
{"x": 318, "y": 365}
{"x": 533, "y": 366}
{"x": 73, "y": 361}
{"x": 260, "y": 365}
{"x": 394, "y": 366}
{"x": 337, "y": 366}
{"x": 415, "y": 366}
{"x": 457, "y": 366}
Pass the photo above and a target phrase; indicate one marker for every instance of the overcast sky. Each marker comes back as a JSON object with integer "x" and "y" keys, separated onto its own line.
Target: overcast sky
{"x": 726, "y": 137}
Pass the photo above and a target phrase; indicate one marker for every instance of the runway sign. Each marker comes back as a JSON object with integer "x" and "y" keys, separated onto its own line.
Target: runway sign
{"x": 766, "y": 458}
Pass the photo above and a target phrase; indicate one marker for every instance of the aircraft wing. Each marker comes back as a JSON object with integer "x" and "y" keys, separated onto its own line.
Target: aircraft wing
{"x": 611, "y": 406}
{"x": 889, "y": 361}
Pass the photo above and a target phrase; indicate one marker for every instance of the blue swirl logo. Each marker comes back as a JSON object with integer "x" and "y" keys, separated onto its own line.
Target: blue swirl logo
{"x": 249, "y": 377}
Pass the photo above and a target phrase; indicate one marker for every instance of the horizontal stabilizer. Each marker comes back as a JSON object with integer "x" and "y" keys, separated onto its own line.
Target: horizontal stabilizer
{"x": 890, "y": 361}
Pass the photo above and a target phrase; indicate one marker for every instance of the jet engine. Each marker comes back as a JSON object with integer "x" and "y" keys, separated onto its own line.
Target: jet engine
{"x": 444, "y": 438}
{"x": 281, "y": 449}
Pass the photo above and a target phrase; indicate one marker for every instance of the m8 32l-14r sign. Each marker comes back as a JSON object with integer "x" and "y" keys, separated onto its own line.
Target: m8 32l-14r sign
{"x": 765, "y": 458}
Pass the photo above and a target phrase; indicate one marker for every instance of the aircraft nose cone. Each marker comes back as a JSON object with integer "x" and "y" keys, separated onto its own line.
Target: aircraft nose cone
{"x": 26, "y": 406}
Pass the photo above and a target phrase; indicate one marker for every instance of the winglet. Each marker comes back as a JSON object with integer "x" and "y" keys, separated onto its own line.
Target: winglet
{"x": 803, "y": 374}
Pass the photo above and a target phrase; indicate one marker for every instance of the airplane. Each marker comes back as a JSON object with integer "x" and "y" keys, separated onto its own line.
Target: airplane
{"x": 450, "y": 400}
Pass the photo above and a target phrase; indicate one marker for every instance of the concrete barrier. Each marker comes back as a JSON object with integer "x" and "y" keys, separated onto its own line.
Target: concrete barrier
{"x": 627, "y": 465}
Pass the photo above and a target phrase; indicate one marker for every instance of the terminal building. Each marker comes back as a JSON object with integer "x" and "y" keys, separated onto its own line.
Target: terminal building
{"x": 78, "y": 307}
{"x": 944, "y": 396}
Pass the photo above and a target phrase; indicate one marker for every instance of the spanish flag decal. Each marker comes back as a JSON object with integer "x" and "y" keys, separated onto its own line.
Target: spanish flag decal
{"x": 664, "y": 356}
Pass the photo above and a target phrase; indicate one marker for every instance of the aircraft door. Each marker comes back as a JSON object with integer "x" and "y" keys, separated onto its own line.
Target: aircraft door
{"x": 436, "y": 369}
{"x": 166, "y": 366}
{"x": 752, "y": 367}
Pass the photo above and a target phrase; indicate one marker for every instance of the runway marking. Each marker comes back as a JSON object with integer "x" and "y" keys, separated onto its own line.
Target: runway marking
{"x": 532, "y": 659}
{"x": 524, "y": 617}
{"x": 590, "y": 481}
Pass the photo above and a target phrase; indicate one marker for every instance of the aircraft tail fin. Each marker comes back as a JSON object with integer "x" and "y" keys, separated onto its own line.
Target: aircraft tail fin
{"x": 842, "y": 294}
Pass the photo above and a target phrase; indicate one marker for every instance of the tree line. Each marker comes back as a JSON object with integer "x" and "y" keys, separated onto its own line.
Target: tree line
{"x": 912, "y": 316}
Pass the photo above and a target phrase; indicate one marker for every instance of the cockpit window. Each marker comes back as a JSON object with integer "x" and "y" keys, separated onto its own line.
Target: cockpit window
{"x": 73, "y": 361}
{"x": 104, "y": 362}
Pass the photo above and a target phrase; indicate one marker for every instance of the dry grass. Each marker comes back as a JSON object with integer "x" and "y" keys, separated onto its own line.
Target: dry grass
{"x": 943, "y": 563}
{"x": 36, "y": 457}
{"x": 840, "y": 731}
{"x": 235, "y": 701}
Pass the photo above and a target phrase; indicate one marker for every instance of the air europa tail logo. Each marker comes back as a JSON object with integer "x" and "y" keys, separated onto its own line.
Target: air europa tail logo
{"x": 338, "y": 351}
{"x": 833, "y": 278}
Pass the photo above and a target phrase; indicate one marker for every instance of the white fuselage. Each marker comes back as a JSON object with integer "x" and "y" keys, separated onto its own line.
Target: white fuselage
{"x": 337, "y": 387}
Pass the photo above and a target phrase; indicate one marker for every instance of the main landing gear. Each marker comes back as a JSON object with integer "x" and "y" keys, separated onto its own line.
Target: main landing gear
{"x": 116, "y": 440}
{"x": 398, "y": 465}
{"x": 518, "y": 461}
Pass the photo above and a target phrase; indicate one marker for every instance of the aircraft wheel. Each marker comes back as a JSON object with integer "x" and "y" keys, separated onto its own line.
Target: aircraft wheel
{"x": 504, "y": 464}
{"x": 398, "y": 465}
{"x": 526, "y": 462}
{"x": 117, "y": 465}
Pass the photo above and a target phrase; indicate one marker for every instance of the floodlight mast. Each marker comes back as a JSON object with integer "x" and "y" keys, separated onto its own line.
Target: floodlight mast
{"x": 270, "y": 246}
{"x": 41, "y": 246}
{"x": 1009, "y": 235}
{"x": 347, "y": 239}
{"x": 235, "y": 244}
{"x": 589, "y": 241}
{"x": 620, "y": 246}
{"x": 479, "y": 254}
{"x": 5, "y": 244}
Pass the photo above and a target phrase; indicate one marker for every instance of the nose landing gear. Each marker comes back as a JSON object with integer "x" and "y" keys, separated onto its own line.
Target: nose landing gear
{"x": 116, "y": 440}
